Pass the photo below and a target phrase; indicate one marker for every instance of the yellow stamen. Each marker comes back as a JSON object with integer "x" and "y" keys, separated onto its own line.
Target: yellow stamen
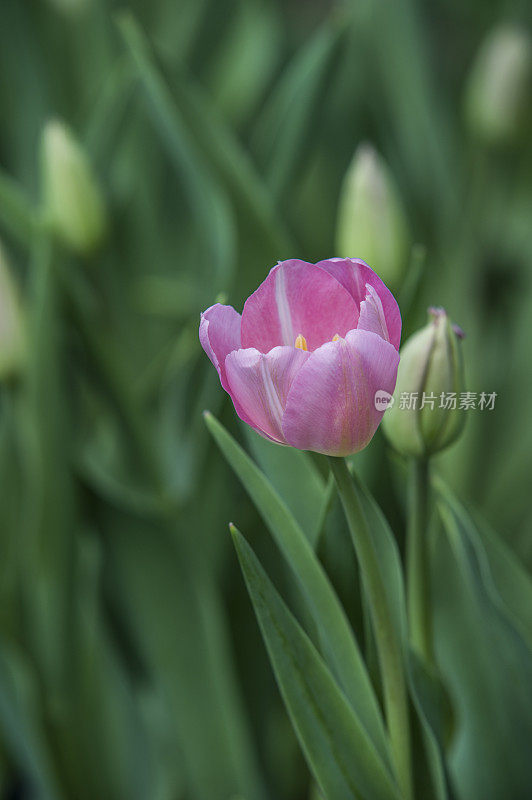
{"x": 336, "y": 337}
{"x": 301, "y": 342}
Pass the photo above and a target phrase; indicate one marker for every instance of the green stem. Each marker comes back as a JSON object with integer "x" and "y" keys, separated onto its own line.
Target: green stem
{"x": 388, "y": 642}
{"x": 417, "y": 558}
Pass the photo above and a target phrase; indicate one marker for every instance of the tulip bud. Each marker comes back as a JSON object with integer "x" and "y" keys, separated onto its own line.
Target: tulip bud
{"x": 371, "y": 221}
{"x": 425, "y": 416}
{"x": 11, "y": 323}
{"x": 499, "y": 89}
{"x": 73, "y": 203}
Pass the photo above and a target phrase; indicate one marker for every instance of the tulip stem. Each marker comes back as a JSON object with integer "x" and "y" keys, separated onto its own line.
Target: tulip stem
{"x": 417, "y": 560}
{"x": 389, "y": 646}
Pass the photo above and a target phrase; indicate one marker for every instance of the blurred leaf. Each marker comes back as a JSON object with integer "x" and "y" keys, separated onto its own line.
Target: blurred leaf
{"x": 502, "y": 567}
{"x": 102, "y": 732}
{"x": 173, "y": 614}
{"x": 414, "y": 277}
{"x": 246, "y": 58}
{"x": 336, "y": 637}
{"x": 432, "y": 705}
{"x": 234, "y": 165}
{"x": 183, "y": 435}
{"x": 338, "y": 749}
{"x": 212, "y": 211}
{"x": 283, "y": 132}
{"x": 45, "y": 442}
{"x": 22, "y": 725}
{"x": 487, "y": 665}
{"x": 296, "y": 479}
{"x": 16, "y": 213}
{"x": 103, "y": 479}
{"x": 394, "y": 38}
{"x": 513, "y": 582}
{"x": 175, "y": 296}
{"x": 178, "y": 27}
{"x": 101, "y": 133}
{"x": 10, "y": 511}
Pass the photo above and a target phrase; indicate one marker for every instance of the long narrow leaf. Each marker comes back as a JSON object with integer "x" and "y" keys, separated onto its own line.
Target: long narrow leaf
{"x": 339, "y": 645}
{"x": 487, "y": 664}
{"x": 209, "y": 203}
{"x": 295, "y": 478}
{"x": 285, "y": 127}
{"x": 338, "y": 749}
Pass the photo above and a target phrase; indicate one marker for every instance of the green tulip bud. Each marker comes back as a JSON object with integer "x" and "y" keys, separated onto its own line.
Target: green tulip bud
{"x": 498, "y": 93}
{"x": 371, "y": 220}
{"x": 12, "y": 339}
{"x": 73, "y": 202}
{"x": 425, "y": 416}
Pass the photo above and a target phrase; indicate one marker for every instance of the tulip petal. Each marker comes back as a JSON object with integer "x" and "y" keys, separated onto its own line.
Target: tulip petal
{"x": 372, "y": 314}
{"x": 354, "y": 274}
{"x": 297, "y": 298}
{"x": 259, "y": 384}
{"x": 331, "y": 404}
{"x": 219, "y": 334}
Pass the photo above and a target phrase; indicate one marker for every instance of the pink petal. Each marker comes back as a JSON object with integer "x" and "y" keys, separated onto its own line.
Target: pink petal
{"x": 372, "y": 314}
{"x": 219, "y": 334}
{"x": 354, "y": 274}
{"x": 259, "y": 385}
{"x": 295, "y": 298}
{"x": 331, "y": 404}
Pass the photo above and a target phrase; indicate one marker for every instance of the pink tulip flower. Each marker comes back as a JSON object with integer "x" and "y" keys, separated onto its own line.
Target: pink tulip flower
{"x": 315, "y": 342}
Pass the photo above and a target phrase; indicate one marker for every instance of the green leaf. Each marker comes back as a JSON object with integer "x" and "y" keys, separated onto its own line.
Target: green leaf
{"x": 296, "y": 479}
{"x": 336, "y": 637}
{"x": 381, "y": 574}
{"x": 225, "y": 154}
{"x": 246, "y": 58}
{"x": 393, "y": 37}
{"x": 16, "y": 212}
{"x": 172, "y": 610}
{"x": 428, "y": 695}
{"x": 100, "y": 722}
{"x": 487, "y": 664}
{"x": 45, "y": 444}
{"x": 109, "y": 114}
{"x": 338, "y": 749}
{"x": 22, "y": 725}
{"x": 513, "y": 582}
{"x": 285, "y": 127}
{"x": 388, "y": 559}
{"x": 421, "y": 685}
{"x": 433, "y": 709}
{"x": 212, "y": 210}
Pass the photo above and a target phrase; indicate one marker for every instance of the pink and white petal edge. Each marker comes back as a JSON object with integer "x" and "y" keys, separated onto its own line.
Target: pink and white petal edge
{"x": 331, "y": 404}
{"x": 259, "y": 384}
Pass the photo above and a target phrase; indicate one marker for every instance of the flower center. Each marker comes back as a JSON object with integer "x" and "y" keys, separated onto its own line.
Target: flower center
{"x": 301, "y": 342}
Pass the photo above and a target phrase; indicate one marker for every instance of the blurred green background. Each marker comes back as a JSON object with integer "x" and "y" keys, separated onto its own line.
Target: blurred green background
{"x": 220, "y": 133}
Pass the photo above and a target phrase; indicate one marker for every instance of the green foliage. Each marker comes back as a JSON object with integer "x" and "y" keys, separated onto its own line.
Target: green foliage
{"x": 219, "y": 135}
{"x": 342, "y": 756}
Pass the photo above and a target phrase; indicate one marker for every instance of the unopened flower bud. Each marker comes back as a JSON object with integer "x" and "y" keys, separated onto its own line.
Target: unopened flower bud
{"x": 498, "y": 92}
{"x": 74, "y": 205}
{"x": 11, "y": 323}
{"x": 371, "y": 220}
{"x": 425, "y": 416}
